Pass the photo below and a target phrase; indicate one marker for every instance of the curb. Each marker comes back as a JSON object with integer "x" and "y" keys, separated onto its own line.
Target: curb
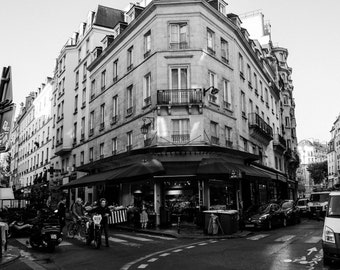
{"x": 179, "y": 236}
{"x": 5, "y": 262}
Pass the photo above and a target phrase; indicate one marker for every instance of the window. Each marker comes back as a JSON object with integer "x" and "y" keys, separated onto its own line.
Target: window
{"x": 147, "y": 89}
{"x": 212, "y": 82}
{"x": 211, "y": 41}
{"x": 82, "y": 127}
{"x": 214, "y": 132}
{"x": 63, "y": 86}
{"x": 255, "y": 83}
{"x": 225, "y": 50}
{"x": 84, "y": 71}
{"x": 91, "y": 123}
{"x": 249, "y": 74}
{"x": 79, "y": 54}
{"x": 285, "y": 100}
{"x": 243, "y": 104}
{"x": 114, "y": 145}
{"x": 180, "y": 130}
{"x": 178, "y": 36}
{"x": 245, "y": 145}
{"x": 240, "y": 65}
{"x": 75, "y": 132}
{"x": 87, "y": 45}
{"x": 272, "y": 103}
{"x": 179, "y": 78}
{"x": 115, "y": 71}
{"x": 75, "y": 103}
{"x": 93, "y": 88}
{"x": 129, "y": 99}
{"x": 130, "y": 58}
{"x": 228, "y": 134}
{"x": 103, "y": 80}
{"x": 83, "y": 100}
{"x": 251, "y": 106}
{"x": 129, "y": 140}
{"x": 91, "y": 154}
{"x": 266, "y": 97}
{"x": 226, "y": 94}
{"x": 261, "y": 90}
{"x": 101, "y": 150}
{"x": 147, "y": 43}
{"x": 287, "y": 122}
{"x": 82, "y": 158}
{"x": 102, "y": 116}
{"x": 221, "y": 8}
{"x": 77, "y": 78}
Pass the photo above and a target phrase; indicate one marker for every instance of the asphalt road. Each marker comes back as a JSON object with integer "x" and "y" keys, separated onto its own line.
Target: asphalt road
{"x": 293, "y": 247}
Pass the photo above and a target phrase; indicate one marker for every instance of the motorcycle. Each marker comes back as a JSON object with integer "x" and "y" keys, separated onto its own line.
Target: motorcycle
{"x": 93, "y": 230}
{"x": 46, "y": 232}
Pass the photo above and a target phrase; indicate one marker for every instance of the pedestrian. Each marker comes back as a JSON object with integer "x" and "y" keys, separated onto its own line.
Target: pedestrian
{"x": 62, "y": 213}
{"x": 144, "y": 218}
{"x": 77, "y": 210}
{"x": 105, "y": 212}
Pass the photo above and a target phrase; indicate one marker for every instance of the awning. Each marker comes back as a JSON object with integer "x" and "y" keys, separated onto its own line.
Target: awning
{"x": 281, "y": 178}
{"x": 180, "y": 168}
{"x": 271, "y": 175}
{"x": 220, "y": 166}
{"x": 130, "y": 171}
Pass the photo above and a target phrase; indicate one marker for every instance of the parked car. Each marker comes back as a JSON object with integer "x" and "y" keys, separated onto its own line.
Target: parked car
{"x": 291, "y": 211}
{"x": 302, "y": 204}
{"x": 331, "y": 230}
{"x": 266, "y": 217}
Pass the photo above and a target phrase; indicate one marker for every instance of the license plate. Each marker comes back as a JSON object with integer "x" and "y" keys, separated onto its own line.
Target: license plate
{"x": 250, "y": 226}
{"x": 53, "y": 236}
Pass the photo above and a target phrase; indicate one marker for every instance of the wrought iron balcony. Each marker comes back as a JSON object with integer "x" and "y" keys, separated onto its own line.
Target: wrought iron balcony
{"x": 279, "y": 143}
{"x": 215, "y": 140}
{"x": 180, "y": 138}
{"x": 259, "y": 129}
{"x": 179, "y": 97}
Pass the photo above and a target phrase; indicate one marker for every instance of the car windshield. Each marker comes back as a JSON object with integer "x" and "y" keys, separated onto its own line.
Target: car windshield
{"x": 301, "y": 203}
{"x": 321, "y": 197}
{"x": 287, "y": 205}
{"x": 264, "y": 209}
{"x": 334, "y": 206}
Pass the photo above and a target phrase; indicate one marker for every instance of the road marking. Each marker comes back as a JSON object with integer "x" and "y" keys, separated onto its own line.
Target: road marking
{"x": 285, "y": 238}
{"x": 122, "y": 241}
{"x": 164, "y": 254}
{"x": 177, "y": 250}
{"x": 153, "y": 260}
{"x": 203, "y": 244}
{"x": 257, "y": 237}
{"x": 156, "y": 236}
{"x": 142, "y": 266}
{"x": 311, "y": 250}
{"x": 134, "y": 237}
{"x": 117, "y": 240}
{"x": 190, "y": 247}
{"x": 213, "y": 241}
{"x": 313, "y": 240}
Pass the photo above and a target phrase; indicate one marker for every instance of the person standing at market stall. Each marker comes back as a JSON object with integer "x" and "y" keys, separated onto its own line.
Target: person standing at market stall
{"x": 104, "y": 210}
{"x": 62, "y": 213}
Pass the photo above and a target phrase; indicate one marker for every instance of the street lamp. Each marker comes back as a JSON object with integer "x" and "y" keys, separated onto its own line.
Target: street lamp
{"x": 214, "y": 90}
{"x": 145, "y": 127}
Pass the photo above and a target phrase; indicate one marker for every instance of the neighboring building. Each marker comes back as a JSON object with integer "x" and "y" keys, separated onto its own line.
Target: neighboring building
{"x": 182, "y": 110}
{"x": 333, "y": 155}
{"x": 31, "y": 139}
{"x": 71, "y": 94}
{"x": 310, "y": 151}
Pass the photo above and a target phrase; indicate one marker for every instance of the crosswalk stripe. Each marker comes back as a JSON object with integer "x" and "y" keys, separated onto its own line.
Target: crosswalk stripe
{"x": 153, "y": 260}
{"x": 313, "y": 240}
{"x": 134, "y": 237}
{"x": 164, "y": 254}
{"x": 257, "y": 237}
{"x": 142, "y": 266}
{"x": 122, "y": 241}
{"x": 284, "y": 238}
{"x": 177, "y": 250}
{"x": 156, "y": 236}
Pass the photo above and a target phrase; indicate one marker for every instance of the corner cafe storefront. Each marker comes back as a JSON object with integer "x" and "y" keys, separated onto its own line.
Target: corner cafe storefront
{"x": 178, "y": 180}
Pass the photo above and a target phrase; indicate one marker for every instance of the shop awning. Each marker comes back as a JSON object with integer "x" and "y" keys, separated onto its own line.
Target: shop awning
{"x": 180, "y": 168}
{"x": 215, "y": 166}
{"x": 130, "y": 171}
{"x": 281, "y": 178}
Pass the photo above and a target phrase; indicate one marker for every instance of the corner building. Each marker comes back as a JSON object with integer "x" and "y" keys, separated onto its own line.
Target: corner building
{"x": 182, "y": 115}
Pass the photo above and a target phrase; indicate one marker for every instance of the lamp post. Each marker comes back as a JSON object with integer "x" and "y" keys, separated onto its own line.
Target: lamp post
{"x": 213, "y": 90}
{"x": 145, "y": 127}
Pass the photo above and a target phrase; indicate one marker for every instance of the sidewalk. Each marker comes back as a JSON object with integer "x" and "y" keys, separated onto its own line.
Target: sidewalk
{"x": 11, "y": 255}
{"x": 185, "y": 232}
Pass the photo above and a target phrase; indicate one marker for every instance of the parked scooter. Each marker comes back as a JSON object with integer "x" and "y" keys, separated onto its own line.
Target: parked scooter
{"x": 93, "y": 229}
{"x": 46, "y": 231}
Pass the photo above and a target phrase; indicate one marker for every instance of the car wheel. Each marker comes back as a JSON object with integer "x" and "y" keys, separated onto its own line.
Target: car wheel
{"x": 284, "y": 222}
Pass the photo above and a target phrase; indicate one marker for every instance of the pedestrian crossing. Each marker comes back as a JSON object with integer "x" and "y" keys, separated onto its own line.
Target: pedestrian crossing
{"x": 311, "y": 239}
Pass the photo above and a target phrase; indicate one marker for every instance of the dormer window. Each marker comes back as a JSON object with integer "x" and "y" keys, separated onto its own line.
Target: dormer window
{"x": 222, "y": 7}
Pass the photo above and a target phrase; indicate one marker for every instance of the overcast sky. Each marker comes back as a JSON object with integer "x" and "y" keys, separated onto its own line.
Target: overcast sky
{"x": 33, "y": 32}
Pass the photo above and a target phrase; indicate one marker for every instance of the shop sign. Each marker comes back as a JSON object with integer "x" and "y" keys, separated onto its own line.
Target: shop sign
{"x": 234, "y": 174}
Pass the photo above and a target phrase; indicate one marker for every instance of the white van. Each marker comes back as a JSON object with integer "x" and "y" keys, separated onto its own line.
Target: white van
{"x": 317, "y": 205}
{"x": 331, "y": 229}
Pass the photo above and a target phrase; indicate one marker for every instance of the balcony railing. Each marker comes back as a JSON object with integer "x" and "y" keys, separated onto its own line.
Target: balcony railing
{"x": 279, "y": 140}
{"x": 129, "y": 111}
{"x": 228, "y": 143}
{"x": 180, "y": 138}
{"x": 179, "y": 45}
{"x": 179, "y": 97}
{"x": 128, "y": 148}
{"x": 91, "y": 131}
{"x": 102, "y": 126}
{"x": 114, "y": 119}
{"x": 82, "y": 137}
{"x": 215, "y": 140}
{"x": 147, "y": 101}
{"x": 258, "y": 124}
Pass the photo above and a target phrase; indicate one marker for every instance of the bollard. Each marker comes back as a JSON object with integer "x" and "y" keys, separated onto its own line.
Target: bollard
{"x": 178, "y": 224}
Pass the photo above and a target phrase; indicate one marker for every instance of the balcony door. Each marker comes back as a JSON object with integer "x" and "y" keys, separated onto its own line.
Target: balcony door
{"x": 179, "y": 84}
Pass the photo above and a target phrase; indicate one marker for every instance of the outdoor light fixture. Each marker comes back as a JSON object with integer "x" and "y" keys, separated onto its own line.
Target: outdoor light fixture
{"x": 145, "y": 127}
{"x": 214, "y": 90}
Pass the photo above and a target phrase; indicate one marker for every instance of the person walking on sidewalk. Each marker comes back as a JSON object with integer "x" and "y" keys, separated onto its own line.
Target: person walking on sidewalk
{"x": 105, "y": 213}
{"x": 144, "y": 218}
{"x": 62, "y": 213}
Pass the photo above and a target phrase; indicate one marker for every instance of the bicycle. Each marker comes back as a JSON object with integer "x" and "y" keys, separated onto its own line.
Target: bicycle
{"x": 78, "y": 227}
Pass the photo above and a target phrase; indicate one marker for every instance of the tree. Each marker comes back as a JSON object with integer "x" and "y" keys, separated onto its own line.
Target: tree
{"x": 318, "y": 171}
